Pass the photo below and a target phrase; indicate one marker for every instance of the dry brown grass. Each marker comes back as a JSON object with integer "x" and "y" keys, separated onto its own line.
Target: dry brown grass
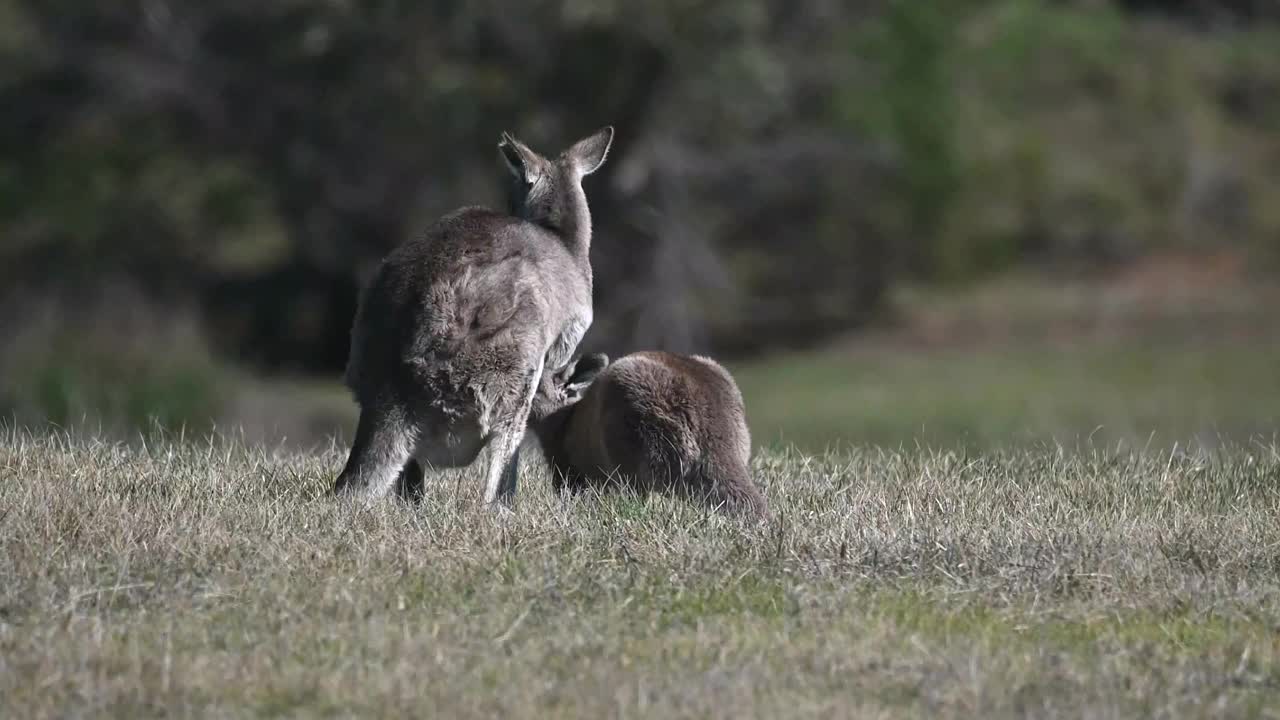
{"x": 217, "y": 580}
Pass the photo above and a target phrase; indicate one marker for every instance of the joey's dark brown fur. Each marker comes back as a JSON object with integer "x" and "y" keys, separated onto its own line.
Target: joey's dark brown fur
{"x": 653, "y": 421}
{"x": 456, "y": 327}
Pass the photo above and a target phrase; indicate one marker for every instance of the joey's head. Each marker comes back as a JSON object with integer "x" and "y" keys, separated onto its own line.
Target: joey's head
{"x": 549, "y": 191}
{"x": 559, "y": 391}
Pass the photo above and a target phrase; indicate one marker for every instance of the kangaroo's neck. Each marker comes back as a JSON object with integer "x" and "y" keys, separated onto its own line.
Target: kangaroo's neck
{"x": 574, "y": 220}
{"x": 559, "y": 205}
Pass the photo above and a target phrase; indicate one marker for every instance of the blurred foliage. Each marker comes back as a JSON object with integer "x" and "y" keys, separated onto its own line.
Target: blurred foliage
{"x": 1069, "y": 132}
{"x": 109, "y": 362}
{"x": 910, "y": 47}
{"x": 778, "y": 169}
{"x": 67, "y": 390}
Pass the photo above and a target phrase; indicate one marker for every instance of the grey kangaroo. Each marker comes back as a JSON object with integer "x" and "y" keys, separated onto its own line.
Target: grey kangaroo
{"x": 652, "y": 421}
{"x": 455, "y": 330}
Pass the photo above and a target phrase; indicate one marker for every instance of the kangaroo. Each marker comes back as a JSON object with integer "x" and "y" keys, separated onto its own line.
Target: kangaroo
{"x": 453, "y": 334}
{"x": 655, "y": 421}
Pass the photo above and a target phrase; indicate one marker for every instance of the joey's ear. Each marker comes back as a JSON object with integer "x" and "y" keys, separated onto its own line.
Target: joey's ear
{"x": 582, "y": 372}
{"x": 588, "y": 154}
{"x": 520, "y": 160}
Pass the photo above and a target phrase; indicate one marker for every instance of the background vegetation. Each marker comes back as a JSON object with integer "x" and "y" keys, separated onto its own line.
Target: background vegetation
{"x": 216, "y": 179}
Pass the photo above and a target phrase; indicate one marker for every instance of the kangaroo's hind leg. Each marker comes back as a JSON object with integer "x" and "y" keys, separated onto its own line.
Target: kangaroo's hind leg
{"x": 411, "y": 485}
{"x": 504, "y": 458}
{"x": 384, "y": 442}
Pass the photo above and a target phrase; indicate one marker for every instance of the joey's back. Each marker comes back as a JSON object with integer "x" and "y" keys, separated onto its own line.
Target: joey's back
{"x": 651, "y": 400}
{"x": 661, "y": 421}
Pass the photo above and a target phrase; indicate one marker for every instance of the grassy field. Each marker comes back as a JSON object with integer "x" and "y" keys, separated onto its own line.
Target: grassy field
{"x": 1142, "y": 394}
{"x": 1155, "y": 357}
{"x": 1044, "y": 501}
{"x": 1132, "y": 392}
{"x": 214, "y": 579}
{"x": 1173, "y": 352}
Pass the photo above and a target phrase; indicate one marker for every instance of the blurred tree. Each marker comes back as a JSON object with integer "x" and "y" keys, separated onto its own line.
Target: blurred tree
{"x": 332, "y": 130}
{"x": 1208, "y": 10}
{"x": 778, "y": 167}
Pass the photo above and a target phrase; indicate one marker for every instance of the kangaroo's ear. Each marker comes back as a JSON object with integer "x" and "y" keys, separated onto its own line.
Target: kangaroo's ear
{"x": 582, "y": 372}
{"x": 588, "y": 154}
{"x": 523, "y": 162}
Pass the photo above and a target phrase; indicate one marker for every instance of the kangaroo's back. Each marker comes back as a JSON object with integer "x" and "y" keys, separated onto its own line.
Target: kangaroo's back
{"x": 481, "y": 290}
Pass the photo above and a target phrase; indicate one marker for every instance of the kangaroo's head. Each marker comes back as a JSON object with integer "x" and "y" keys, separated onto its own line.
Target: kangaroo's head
{"x": 560, "y": 390}
{"x": 549, "y": 191}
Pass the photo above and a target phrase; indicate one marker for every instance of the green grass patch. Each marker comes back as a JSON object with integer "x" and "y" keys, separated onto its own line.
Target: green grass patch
{"x": 1153, "y": 394}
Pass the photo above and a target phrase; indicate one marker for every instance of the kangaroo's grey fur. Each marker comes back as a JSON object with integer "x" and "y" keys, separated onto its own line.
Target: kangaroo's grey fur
{"x": 456, "y": 328}
{"x": 653, "y": 421}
